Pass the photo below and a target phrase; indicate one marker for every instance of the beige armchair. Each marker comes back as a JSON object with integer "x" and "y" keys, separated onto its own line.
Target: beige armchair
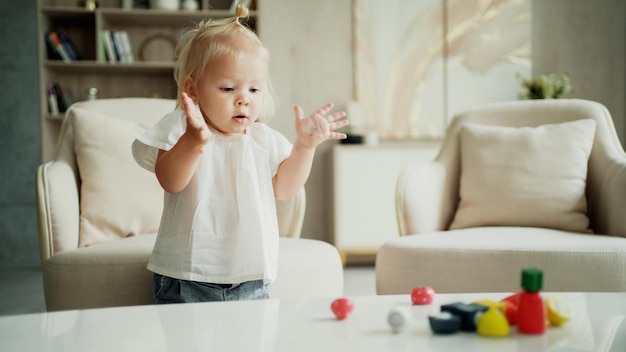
{"x": 99, "y": 212}
{"x": 497, "y": 199}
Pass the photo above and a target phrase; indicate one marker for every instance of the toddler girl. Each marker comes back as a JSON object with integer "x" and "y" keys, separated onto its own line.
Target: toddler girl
{"x": 222, "y": 169}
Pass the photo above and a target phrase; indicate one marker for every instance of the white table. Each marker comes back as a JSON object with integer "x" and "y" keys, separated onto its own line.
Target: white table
{"x": 302, "y": 325}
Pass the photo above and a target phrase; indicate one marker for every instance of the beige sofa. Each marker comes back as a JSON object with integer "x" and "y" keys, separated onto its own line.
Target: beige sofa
{"x": 99, "y": 212}
{"x": 460, "y": 230}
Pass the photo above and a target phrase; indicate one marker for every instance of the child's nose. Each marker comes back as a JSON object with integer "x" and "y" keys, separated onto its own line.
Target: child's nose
{"x": 243, "y": 100}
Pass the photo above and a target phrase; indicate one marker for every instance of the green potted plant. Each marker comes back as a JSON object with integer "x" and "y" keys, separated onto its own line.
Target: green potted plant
{"x": 552, "y": 86}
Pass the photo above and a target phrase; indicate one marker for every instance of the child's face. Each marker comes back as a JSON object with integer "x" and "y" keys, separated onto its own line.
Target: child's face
{"x": 230, "y": 92}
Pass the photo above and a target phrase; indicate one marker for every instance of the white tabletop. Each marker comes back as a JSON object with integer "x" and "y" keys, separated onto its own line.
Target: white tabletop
{"x": 303, "y": 325}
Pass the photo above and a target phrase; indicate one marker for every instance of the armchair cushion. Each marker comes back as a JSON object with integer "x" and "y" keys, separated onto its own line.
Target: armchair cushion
{"x": 525, "y": 176}
{"x": 118, "y": 199}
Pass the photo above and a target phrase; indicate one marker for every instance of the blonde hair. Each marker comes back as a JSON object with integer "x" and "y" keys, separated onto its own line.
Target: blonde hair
{"x": 214, "y": 38}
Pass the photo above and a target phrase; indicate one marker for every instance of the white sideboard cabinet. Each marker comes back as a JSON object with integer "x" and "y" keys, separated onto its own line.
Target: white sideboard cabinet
{"x": 364, "y": 186}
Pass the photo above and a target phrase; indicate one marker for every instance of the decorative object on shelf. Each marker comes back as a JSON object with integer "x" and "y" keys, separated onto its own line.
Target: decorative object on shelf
{"x": 92, "y": 93}
{"x": 164, "y": 4}
{"x": 551, "y": 86}
{"x": 145, "y": 54}
{"x": 247, "y": 3}
{"x": 90, "y": 5}
{"x": 189, "y": 5}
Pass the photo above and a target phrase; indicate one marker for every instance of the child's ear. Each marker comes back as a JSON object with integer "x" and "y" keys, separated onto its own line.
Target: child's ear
{"x": 190, "y": 88}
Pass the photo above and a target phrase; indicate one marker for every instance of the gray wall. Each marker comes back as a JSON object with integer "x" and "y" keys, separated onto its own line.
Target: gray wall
{"x": 20, "y": 146}
{"x": 586, "y": 39}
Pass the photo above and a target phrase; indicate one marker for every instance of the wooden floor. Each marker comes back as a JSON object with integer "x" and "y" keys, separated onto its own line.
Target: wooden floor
{"x": 22, "y": 290}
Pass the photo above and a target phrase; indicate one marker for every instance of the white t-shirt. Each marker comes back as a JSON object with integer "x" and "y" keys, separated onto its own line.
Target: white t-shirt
{"x": 222, "y": 227}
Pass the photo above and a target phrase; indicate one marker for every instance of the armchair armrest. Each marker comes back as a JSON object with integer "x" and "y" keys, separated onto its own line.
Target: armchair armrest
{"x": 57, "y": 184}
{"x": 606, "y": 178}
{"x": 610, "y": 211}
{"x": 422, "y": 199}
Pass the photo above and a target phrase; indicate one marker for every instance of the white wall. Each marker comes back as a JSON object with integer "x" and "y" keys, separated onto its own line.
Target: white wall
{"x": 310, "y": 43}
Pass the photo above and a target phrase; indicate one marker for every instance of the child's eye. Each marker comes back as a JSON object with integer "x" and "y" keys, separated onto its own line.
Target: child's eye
{"x": 227, "y": 89}
{"x": 255, "y": 90}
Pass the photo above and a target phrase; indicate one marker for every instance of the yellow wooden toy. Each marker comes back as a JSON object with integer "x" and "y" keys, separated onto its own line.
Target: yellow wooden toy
{"x": 493, "y": 322}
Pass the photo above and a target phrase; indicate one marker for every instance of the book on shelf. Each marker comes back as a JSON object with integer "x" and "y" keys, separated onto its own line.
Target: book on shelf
{"x": 123, "y": 47}
{"x": 59, "y": 98}
{"x": 102, "y": 50}
{"x": 69, "y": 46}
{"x": 129, "y": 47}
{"x": 52, "y": 53}
{"x": 60, "y": 47}
{"x": 108, "y": 45}
{"x": 117, "y": 47}
{"x": 53, "y": 42}
{"x": 53, "y": 106}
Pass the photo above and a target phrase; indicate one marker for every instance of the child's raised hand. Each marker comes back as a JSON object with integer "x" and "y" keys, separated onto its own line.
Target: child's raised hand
{"x": 320, "y": 126}
{"x": 196, "y": 126}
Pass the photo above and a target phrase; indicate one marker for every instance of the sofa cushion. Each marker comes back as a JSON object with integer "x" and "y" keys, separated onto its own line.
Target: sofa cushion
{"x": 118, "y": 199}
{"x": 491, "y": 259}
{"x": 107, "y": 274}
{"x": 526, "y": 176}
{"x": 114, "y": 273}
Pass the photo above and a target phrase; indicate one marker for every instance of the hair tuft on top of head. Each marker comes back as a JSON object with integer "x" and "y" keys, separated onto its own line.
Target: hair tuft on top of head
{"x": 241, "y": 12}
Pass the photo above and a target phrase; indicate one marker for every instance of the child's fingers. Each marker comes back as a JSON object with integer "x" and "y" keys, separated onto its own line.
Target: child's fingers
{"x": 336, "y": 116}
{"x": 193, "y": 116}
{"x": 187, "y": 102}
{"x": 337, "y": 135}
{"x": 297, "y": 110}
{"x": 324, "y": 109}
{"x": 337, "y": 125}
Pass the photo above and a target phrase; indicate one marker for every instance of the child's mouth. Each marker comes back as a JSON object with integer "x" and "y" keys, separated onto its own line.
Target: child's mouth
{"x": 240, "y": 118}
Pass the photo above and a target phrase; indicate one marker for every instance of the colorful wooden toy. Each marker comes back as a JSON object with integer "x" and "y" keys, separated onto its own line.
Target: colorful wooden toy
{"x": 493, "y": 322}
{"x": 444, "y": 323}
{"x": 422, "y": 295}
{"x": 342, "y": 307}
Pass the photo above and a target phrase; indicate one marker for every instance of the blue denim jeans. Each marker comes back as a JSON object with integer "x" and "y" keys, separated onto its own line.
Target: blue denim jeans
{"x": 170, "y": 290}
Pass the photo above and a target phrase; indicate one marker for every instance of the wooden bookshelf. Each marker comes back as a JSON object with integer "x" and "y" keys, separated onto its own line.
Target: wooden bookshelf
{"x": 151, "y": 74}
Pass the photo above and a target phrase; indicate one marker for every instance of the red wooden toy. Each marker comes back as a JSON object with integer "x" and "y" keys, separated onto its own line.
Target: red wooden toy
{"x": 422, "y": 295}
{"x": 342, "y": 307}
